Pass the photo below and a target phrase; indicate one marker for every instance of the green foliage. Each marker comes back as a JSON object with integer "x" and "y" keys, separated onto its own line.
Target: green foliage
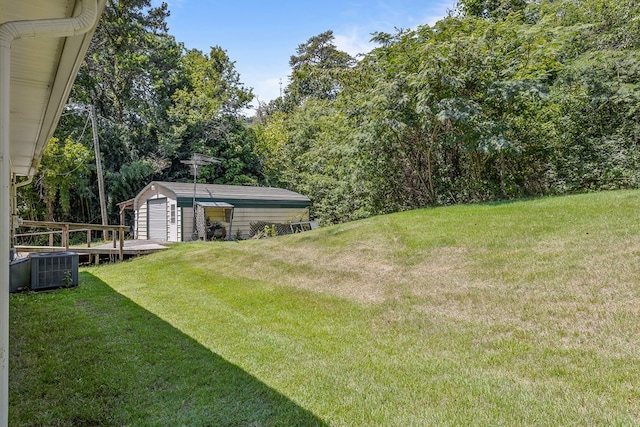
{"x": 270, "y": 231}
{"x": 316, "y": 69}
{"x": 129, "y": 74}
{"x": 311, "y": 150}
{"x": 156, "y": 104}
{"x": 204, "y": 118}
{"x": 500, "y": 100}
{"x": 435, "y": 121}
{"x": 63, "y": 171}
{"x": 67, "y": 278}
{"x": 504, "y": 100}
{"x": 212, "y": 86}
{"x": 270, "y": 147}
{"x": 127, "y": 182}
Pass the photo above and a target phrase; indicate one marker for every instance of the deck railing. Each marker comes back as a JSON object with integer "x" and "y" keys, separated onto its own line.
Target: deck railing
{"x": 65, "y": 228}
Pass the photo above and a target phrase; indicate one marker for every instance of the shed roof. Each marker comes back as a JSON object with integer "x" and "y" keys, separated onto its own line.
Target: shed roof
{"x": 238, "y": 195}
{"x": 237, "y": 192}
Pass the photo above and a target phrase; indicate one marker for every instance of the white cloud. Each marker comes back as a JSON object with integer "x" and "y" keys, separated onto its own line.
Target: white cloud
{"x": 354, "y": 42}
{"x": 268, "y": 89}
{"x": 357, "y": 39}
{"x": 438, "y": 12}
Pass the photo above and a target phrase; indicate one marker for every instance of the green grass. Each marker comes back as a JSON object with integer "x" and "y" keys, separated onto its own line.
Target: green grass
{"x": 522, "y": 313}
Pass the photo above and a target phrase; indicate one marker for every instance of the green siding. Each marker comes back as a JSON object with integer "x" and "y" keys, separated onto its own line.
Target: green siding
{"x": 186, "y": 202}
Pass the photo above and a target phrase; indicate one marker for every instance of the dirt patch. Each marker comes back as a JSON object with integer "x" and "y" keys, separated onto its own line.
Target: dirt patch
{"x": 367, "y": 273}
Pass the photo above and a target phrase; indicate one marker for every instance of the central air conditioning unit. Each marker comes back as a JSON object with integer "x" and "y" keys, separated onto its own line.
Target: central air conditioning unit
{"x": 53, "y": 270}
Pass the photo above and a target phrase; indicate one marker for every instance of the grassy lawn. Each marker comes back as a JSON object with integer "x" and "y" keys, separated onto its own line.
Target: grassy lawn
{"x": 524, "y": 313}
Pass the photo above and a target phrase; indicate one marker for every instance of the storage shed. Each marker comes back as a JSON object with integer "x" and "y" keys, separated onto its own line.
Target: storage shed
{"x": 164, "y": 211}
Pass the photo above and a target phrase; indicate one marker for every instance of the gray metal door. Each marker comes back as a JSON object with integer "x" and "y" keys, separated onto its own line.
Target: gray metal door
{"x": 157, "y": 225}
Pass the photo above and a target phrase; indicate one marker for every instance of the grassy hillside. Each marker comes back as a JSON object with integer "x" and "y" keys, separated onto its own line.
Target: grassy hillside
{"x": 503, "y": 314}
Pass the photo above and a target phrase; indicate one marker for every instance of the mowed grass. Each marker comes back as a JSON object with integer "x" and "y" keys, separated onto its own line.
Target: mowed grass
{"x": 524, "y": 313}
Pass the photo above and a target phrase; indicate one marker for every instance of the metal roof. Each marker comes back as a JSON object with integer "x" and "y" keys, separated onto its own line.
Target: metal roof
{"x": 215, "y": 205}
{"x": 42, "y": 73}
{"x": 231, "y": 192}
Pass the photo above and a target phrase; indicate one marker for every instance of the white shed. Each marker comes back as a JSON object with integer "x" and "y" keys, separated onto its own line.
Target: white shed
{"x": 164, "y": 211}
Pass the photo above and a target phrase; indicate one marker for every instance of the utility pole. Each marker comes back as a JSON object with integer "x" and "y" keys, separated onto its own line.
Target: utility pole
{"x": 96, "y": 148}
{"x": 196, "y": 160}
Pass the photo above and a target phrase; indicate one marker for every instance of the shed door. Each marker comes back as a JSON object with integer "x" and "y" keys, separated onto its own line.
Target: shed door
{"x": 157, "y": 228}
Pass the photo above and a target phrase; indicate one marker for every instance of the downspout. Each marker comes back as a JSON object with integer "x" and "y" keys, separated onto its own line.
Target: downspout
{"x": 23, "y": 183}
{"x": 14, "y": 204}
{"x": 10, "y": 31}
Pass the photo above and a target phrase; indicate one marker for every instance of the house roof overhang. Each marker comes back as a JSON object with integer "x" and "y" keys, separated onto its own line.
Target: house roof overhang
{"x": 42, "y": 74}
{"x": 41, "y": 50}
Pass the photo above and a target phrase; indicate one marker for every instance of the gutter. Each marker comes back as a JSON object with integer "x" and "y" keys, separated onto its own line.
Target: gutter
{"x": 10, "y": 31}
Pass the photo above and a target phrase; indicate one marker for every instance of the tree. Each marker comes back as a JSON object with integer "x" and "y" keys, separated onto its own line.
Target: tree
{"x": 490, "y": 9}
{"x": 129, "y": 75}
{"x": 592, "y": 119}
{"x": 63, "y": 174}
{"x": 316, "y": 69}
{"x": 206, "y": 118}
{"x": 508, "y": 98}
{"x": 311, "y": 150}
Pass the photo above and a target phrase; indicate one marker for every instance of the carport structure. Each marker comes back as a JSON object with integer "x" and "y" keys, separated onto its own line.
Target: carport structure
{"x": 42, "y": 45}
{"x": 218, "y": 212}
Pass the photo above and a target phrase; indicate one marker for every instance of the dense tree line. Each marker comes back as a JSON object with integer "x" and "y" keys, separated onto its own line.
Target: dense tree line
{"x": 501, "y": 99}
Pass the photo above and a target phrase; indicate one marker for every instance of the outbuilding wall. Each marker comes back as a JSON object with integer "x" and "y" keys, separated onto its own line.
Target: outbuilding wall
{"x": 187, "y": 224}
{"x": 282, "y": 209}
{"x": 142, "y": 214}
{"x": 243, "y": 217}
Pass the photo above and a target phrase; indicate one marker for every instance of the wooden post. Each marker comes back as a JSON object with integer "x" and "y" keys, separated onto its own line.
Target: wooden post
{"x": 65, "y": 237}
{"x": 121, "y": 243}
{"x": 89, "y": 240}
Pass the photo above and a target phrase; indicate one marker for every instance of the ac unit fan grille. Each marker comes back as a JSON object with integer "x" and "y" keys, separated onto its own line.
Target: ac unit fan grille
{"x": 54, "y": 270}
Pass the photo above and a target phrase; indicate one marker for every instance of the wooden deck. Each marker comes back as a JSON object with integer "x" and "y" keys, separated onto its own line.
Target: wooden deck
{"x": 131, "y": 248}
{"x": 118, "y": 249}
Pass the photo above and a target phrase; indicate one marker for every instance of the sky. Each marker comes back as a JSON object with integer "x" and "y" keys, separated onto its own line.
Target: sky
{"x": 260, "y": 35}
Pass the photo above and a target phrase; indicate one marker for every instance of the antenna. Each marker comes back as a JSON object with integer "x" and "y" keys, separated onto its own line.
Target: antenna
{"x": 196, "y": 160}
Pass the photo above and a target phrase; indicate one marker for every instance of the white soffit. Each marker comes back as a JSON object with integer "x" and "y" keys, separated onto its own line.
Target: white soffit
{"x": 42, "y": 73}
